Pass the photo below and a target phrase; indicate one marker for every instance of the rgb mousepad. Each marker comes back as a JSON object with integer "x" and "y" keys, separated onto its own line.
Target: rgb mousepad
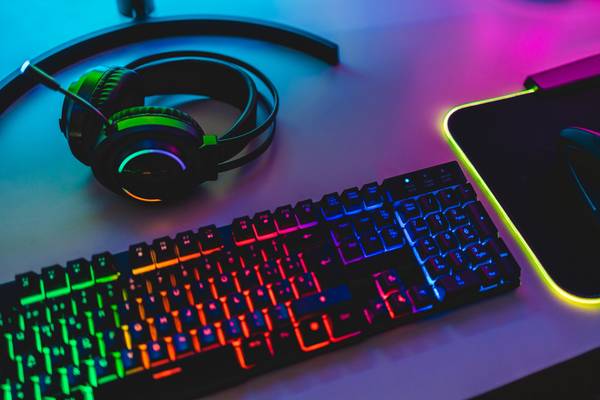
{"x": 512, "y": 143}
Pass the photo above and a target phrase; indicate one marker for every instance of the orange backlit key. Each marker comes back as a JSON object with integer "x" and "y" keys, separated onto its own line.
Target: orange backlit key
{"x": 164, "y": 249}
{"x": 312, "y": 334}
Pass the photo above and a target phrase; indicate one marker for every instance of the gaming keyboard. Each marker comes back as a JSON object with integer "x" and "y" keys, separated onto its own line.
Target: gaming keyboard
{"x": 210, "y": 308}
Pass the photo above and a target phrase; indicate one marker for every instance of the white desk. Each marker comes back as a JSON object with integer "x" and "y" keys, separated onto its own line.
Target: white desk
{"x": 377, "y": 115}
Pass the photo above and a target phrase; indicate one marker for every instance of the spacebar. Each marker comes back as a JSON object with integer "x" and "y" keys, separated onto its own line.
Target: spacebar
{"x": 187, "y": 378}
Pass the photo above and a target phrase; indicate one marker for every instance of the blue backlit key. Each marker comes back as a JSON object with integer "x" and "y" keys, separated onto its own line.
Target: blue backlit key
{"x": 352, "y": 201}
{"x": 207, "y": 337}
{"x": 448, "y": 198}
{"x": 383, "y": 217}
{"x": 417, "y": 228}
{"x": 350, "y": 251}
{"x": 436, "y": 267}
{"x": 371, "y": 195}
{"x": 408, "y": 210}
{"x": 393, "y": 238}
{"x": 371, "y": 244}
{"x": 331, "y": 206}
{"x": 182, "y": 344}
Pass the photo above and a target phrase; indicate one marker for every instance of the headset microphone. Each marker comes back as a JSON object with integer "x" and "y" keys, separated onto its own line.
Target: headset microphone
{"x": 45, "y": 79}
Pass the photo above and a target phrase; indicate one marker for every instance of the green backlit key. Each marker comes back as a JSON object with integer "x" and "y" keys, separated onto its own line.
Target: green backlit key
{"x": 104, "y": 267}
{"x": 80, "y": 274}
{"x": 56, "y": 281}
{"x": 31, "y": 288}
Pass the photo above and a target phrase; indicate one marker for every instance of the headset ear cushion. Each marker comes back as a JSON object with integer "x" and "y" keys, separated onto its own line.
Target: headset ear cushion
{"x": 117, "y": 88}
{"x": 155, "y": 110}
{"x": 110, "y": 90}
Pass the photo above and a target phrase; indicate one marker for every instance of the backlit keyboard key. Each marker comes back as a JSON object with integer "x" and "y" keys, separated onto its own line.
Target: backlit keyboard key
{"x": 477, "y": 254}
{"x": 236, "y": 304}
{"x": 398, "y": 305}
{"x": 371, "y": 244}
{"x": 312, "y": 334}
{"x": 269, "y": 272}
{"x": 213, "y": 311}
{"x": 264, "y": 225}
{"x": 187, "y": 245}
{"x": 282, "y": 291}
{"x": 426, "y": 248}
{"x": 260, "y": 298}
{"x": 465, "y": 193}
{"x": 448, "y": 198}
{"x": 248, "y": 279}
{"x": 183, "y": 346}
{"x": 457, "y": 260}
{"x": 416, "y": 229}
{"x": 421, "y": 297}
{"x": 481, "y": 220}
{"x": 446, "y": 241}
{"x": 30, "y": 286}
{"x": 458, "y": 286}
{"x": 344, "y": 323}
{"x": 80, "y": 274}
{"x": 489, "y": 274}
{"x": 291, "y": 266}
{"x": 207, "y": 337}
{"x": 140, "y": 258}
{"x": 331, "y": 206}
{"x": 256, "y": 323}
{"x": 350, "y": 251}
{"x": 209, "y": 239}
{"x": 242, "y": 231}
{"x": 387, "y": 282}
{"x": 279, "y": 317}
{"x": 164, "y": 249}
{"x": 200, "y": 291}
{"x": 428, "y": 204}
{"x": 232, "y": 329}
{"x": 393, "y": 238}
{"x": 131, "y": 360}
{"x": 137, "y": 332}
{"x": 104, "y": 267}
{"x": 254, "y": 351}
{"x": 371, "y": 196}
{"x": 164, "y": 325}
{"x": 188, "y": 317}
{"x": 466, "y": 235}
{"x": 306, "y": 214}
{"x": 341, "y": 230}
{"x": 285, "y": 219}
{"x": 456, "y": 217}
{"x": 437, "y": 223}
{"x": 363, "y": 222}
{"x": 436, "y": 267}
{"x": 407, "y": 210}
{"x": 250, "y": 255}
{"x": 229, "y": 261}
{"x": 352, "y": 201}
{"x": 383, "y": 217}
{"x": 157, "y": 352}
{"x": 305, "y": 284}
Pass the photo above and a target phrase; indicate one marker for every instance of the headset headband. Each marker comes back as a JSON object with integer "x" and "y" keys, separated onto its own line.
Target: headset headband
{"x": 16, "y": 85}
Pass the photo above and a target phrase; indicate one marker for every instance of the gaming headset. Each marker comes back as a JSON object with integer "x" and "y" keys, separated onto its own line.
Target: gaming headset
{"x": 154, "y": 154}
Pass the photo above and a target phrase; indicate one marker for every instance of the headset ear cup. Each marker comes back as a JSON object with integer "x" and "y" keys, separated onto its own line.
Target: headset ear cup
{"x": 151, "y": 154}
{"x": 110, "y": 90}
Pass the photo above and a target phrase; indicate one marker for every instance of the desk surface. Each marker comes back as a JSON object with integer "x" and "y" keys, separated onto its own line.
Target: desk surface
{"x": 376, "y": 115}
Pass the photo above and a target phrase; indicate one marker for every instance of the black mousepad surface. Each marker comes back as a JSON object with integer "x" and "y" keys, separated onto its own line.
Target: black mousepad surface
{"x": 512, "y": 143}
